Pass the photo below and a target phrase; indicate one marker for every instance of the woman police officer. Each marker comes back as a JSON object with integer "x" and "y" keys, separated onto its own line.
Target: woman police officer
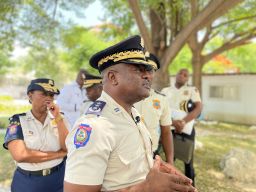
{"x": 36, "y": 141}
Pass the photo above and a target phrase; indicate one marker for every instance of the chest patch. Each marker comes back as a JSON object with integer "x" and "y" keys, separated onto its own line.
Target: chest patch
{"x": 82, "y": 135}
{"x": 156, "y": 104}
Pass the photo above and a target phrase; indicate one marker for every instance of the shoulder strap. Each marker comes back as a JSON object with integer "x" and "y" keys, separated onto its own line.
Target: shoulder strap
{"x": 96, "y": 107}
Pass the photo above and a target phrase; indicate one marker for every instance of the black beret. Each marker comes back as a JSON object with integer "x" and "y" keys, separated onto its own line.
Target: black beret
{"x": 43, "y": 84}
{"x": 128, "y": 51}
{"x": 92, "y": 80}
{"x": 153, "y": 60}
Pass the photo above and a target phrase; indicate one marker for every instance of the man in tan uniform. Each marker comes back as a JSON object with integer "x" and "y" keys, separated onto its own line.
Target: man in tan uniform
{"x": 93, "y": 86}
{"x": 155, "y": 112}
{"x": 177, "y": 96}
{"x": 109, "y": 148}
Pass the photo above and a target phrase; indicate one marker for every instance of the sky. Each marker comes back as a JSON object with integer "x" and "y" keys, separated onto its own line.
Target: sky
{"x": 92, "y": 17}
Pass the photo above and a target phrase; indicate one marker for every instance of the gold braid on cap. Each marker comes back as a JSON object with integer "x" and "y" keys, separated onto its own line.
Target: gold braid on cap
{"x": 48, "y": 87}
{"x": 121, "y": 56}
{"x": 153, "y": 64}
{"x": 92, "y": 81}
{"x": 138, "y": 61}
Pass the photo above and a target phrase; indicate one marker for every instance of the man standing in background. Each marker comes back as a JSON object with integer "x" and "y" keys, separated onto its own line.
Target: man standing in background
{"x": 93, "y": 86}
{"x": 72, "y": 96}
{"x": 155, "y": 113}
{"x": 177, "y": 95}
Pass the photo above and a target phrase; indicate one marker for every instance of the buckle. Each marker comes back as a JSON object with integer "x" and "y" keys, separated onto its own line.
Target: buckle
{"x": 46, "y": 172}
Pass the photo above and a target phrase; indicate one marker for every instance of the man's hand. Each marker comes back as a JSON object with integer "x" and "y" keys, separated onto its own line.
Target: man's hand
{"x": 179, "y": 125}
{"x": 164, "y": 177}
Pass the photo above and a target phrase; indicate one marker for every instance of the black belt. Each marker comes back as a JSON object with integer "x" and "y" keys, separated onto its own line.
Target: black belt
{"x": 43, "y": 172}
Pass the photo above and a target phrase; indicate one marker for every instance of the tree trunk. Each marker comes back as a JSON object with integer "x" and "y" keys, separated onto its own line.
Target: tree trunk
{"x": 161, "y": 80}
{"x": 197, "y": 71}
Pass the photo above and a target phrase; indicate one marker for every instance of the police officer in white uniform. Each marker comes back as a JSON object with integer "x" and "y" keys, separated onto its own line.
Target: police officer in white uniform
{"x": 93, "y": 86}
{"x": 109, "y": 148}
{"x": 72, "y": 96}
{"x": 155, "y": 112}
{"x": 36, "y": 141}
{"x": 177, "y": 95}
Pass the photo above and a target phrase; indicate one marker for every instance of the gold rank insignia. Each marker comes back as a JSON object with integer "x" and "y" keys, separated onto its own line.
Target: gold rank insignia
{"x": 142, "y": 42}
{"x": 51, "y": 82}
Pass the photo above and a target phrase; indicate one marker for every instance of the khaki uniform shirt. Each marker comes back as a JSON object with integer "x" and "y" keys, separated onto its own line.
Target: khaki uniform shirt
{"x": 86, "y": 104}
{"x": 176, "y": 96}
{"x": 154, "y": 111}
{"x": 37, "y": 136}
{"x": 106, "y": 147}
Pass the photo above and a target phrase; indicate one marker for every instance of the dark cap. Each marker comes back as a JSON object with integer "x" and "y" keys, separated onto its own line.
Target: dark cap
{"x": 153, "y": 60}
{"x": 92, "y": 80}
{"x": 128, "y": 51}
{"x": 43, "y": 84}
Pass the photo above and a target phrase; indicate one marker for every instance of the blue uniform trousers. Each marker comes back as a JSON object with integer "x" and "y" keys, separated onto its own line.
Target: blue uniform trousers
{"x": 23, "y": 182}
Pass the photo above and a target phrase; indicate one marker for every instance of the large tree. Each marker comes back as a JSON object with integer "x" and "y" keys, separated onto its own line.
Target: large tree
{"x": 172, "y": 26}
{"x": 237, "y": 27}
{"x": 167, "y": 25}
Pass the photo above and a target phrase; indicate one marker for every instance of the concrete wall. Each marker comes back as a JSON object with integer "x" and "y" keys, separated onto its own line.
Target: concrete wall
{"x": 230, "y": 98}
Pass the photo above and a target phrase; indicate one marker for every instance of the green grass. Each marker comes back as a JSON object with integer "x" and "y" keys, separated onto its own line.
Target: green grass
{"x": 9, "y": 108}
{"x": 7, "y": 165}
{"x": 218, "y": 141}
{"x": 4, "y": 122}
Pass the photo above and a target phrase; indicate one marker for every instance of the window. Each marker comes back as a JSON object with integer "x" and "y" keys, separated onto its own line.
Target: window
{"x": 228, "y": 92}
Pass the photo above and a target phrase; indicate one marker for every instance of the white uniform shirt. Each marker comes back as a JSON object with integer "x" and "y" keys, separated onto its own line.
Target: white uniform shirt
{"x": 70, "y": 100}
{"x": 154, "y": 111}
{"x": 39, "y": 137}
{"x": 115, "y": 153}
{"x": 176, "y": 96}
{"x": 86, "y": 104}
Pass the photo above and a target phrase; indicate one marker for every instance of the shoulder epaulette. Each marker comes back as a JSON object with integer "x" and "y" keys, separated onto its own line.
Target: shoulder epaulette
{"x": 96, "y": 108}
{"x": 16, "y": 117}
{"x": 159, "y": 93}
{"x": 14, "y": 130}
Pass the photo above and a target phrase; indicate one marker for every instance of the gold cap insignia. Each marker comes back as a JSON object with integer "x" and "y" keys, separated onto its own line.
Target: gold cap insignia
{"x": 142, "y": 42}
{"x": 51, "y": 82}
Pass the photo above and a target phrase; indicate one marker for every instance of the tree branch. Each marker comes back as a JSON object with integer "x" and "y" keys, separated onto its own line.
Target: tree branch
{"x": 221, "y": 10}
{"x": 244, "y": 33}
{"x": 191, "y": 27}
{"x": 227, "y": 46}
{"x": 206, "y": 36}
{"x": 234, "y": 20}
{"x": 141, "y": 24}
{"x": 55, "y": 9}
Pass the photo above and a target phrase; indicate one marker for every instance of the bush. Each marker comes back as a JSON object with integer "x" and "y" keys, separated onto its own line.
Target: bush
{"x": 5, "y": 98}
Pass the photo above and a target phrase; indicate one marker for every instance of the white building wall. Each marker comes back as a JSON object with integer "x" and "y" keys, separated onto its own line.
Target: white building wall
{"x": 240, "y": 108}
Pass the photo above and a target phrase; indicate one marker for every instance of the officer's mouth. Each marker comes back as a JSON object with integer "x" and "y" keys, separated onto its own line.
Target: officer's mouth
{"x": 147, "y": 86}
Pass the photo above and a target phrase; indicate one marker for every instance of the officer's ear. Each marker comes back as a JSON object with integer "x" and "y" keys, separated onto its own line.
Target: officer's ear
{"x": 112, "y": 77}
{"x": 30, "y": 96}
